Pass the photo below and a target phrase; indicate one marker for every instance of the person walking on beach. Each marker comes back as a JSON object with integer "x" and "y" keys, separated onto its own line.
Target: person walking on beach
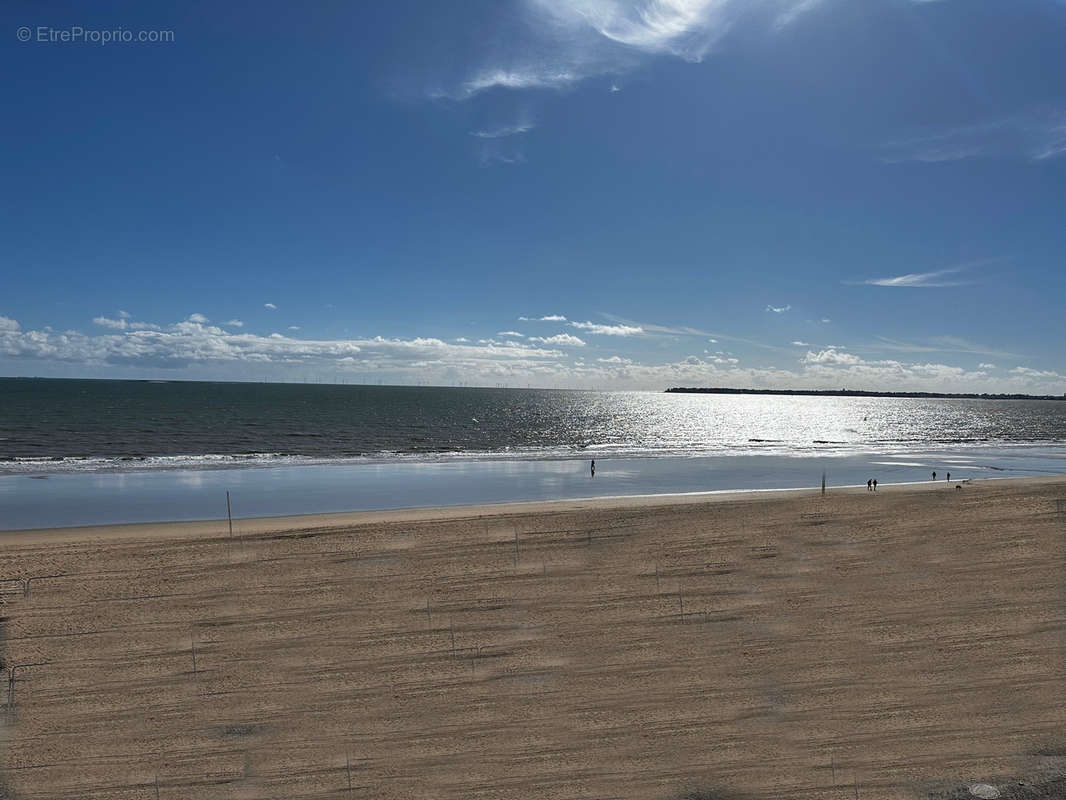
{"x": 934, "y": 475}
{"x": 592, "y": 468}
{"x": 948, "y": 477}
{"x": 875, "y": 484}
{"x": 869, "y": 485}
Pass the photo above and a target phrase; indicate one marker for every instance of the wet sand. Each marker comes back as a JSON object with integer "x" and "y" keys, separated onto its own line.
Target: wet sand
{"x": 761, "y": 644}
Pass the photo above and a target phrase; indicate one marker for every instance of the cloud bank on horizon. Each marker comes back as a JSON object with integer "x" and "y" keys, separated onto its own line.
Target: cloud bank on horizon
{"x": 195, "y": 348}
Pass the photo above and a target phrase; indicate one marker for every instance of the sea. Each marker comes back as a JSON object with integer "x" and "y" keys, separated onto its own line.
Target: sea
{"x": 81, "y": 452}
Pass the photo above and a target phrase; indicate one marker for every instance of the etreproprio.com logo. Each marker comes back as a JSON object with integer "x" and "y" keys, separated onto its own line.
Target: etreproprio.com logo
{"x": 76, "y": 34}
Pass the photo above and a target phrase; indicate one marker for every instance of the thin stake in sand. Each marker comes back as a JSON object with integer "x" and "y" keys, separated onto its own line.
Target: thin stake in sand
{"x": 229, "y": 515}
{"x": 26, "y": 581}
{"x": 12, "y": 677}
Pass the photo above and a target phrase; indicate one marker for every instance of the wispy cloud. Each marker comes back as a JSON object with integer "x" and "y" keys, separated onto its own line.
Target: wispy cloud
{"x": 235, "y": 323}
{"x": 516, "y": 334}
{"x": 801, "y": 344}
{"x": 270, "y": 307}
{"x": 941, "y": 344}
{"x": 1035, "y": 134}
{"x": 567, "y": 41}
{"x": 779, "y": 309}
{"x": 545, "y": 318}
{"x": 500, "y": 151}
{"x": 125, "y": 322}
{"x": 609, "y": 330}
{"x": 920, "y": 279}
{"x": 654, "y": 329}
{"x": 502, "y": 131}
{"x": 794, "y": 12}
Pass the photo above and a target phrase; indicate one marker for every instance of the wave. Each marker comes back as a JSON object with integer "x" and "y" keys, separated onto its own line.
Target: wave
{"x": 32, "y": 465}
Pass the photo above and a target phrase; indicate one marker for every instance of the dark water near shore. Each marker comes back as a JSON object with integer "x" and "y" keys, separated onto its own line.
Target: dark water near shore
{"x": 58, "y": 425}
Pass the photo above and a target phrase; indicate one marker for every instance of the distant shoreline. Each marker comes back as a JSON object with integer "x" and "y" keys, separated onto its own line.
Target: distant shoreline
{"x": 863, "y": 393}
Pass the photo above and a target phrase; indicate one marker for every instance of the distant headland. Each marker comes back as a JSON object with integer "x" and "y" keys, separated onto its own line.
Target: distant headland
{"x": 862, "y": 393}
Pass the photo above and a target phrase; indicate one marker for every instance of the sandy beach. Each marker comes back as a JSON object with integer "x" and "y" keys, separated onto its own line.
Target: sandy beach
{"x": 907, "y": 643}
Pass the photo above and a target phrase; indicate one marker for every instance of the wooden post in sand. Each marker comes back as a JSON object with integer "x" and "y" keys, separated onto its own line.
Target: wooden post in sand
{"x": 823, "y": 484}
{"x": 229, "y": 515}
{"x": 12, "y": 677}
{"x": 156, "y": 787}
{"x": 348, "y": 767}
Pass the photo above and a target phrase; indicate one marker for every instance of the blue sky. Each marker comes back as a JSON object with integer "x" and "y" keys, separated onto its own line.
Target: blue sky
{"x": 770, "y": 193}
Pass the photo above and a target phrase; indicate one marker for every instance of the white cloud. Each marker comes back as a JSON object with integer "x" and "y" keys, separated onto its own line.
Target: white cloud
{"x": 270, "y": 306}
{"x": 801, "y": 344}
{"x": 199, "y": 350}
{"x": 124, "y": 314}
{"x": 566, "y": 41}
{"x": 920, "y": 279}
{"x": 189, "y": 343}
{"x": 294, "y": 327}
{"x": 831, "y": 356}
{"x": 713, "y": 341}
{"x": 462, "y": 339}
{"x": 986, "y": 366}
{"x": 609, "y": 330}
{"x": 825, "y": 320}
{"x": 545, "y": 318}
{"x": 124, "y": 323}
{"x": 561, "y": 339}
{"x": 106, "y": 322}
{"x": 198, "y": 318}
{"x": 779, "y": 310}
{"x": 503, "y": 130}
{"x": 1036, "y": 373}
{"x": 235, "y": 323}
{"x": 516, "y": 334}
{"x": 794, "y": 12}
